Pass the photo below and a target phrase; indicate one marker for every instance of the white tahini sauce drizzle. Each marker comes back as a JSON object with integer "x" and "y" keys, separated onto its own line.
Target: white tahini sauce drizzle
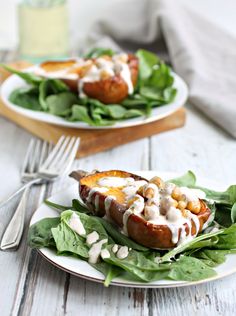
{"x": 115, "y": 182}
{"x": 92, "y": 238}
{"x": 107, "y": 204}
{"x": 95, "y": 251}
{"x": 76, "y": 225}
{"x": 105, "y": 254}
{"x": 136, "y": 208}
{"x": 115, "y": 66}
{"x": 94, "y": 190}
{"x": 115, "y": 248}
{"x": 123, "y": 252}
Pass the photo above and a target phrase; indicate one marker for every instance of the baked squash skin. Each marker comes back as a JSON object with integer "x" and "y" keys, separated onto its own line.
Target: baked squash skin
{"x": 160, "y": 236}
{"x": 143, "y": 232}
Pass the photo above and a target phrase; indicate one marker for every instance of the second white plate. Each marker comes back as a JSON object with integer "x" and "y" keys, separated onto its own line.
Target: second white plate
{"x": 82, "y": 269}
{"x": 14, "y": 82}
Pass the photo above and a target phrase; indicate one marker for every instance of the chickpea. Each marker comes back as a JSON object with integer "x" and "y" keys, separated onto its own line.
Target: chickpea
{"x": 194, "y": 206}
{"x": 158, "y": 182}
{"x": 182, "y": 205}
{"x": 184, "y": 213}
{"x": 176, "y": 194}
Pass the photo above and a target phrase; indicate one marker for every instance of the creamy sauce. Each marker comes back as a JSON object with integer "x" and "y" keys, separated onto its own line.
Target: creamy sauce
{"x": 115, "y": 248}
{"x": 92, "y": 238}
{"x": 95, "y": 251}
{"x": 105, "y": 254}
{"x": 76, "y": 225}
{"x": 123, "y": 252}
{"x": 192, "y": 194}
{"x": 107, "y": 204}
{"x": 136, "y": 208}
{"x": 103, "y": 68}
{"x": 94, "y": 190}
{"x": 115, "y": 182}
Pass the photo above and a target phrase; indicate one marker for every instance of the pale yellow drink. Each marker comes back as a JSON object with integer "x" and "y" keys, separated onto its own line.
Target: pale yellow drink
{"x": 43, "y": 31}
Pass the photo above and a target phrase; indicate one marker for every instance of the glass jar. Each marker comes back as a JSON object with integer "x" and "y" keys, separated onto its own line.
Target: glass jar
{"x": 43, "y": 29}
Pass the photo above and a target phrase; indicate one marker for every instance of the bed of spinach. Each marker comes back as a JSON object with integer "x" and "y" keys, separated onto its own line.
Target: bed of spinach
{"x": 154, "y": 88}
{"x": 192, "y": 261}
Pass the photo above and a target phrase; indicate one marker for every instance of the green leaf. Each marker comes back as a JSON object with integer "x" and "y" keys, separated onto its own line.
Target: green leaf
{"x": 183, "y": 247}
{"x": 151, "y": 93}
{"x": 28, "y": 77}
{"x": 233, "y": 213}
{"x": 110, "y": 272}
{"x": 99, "y": 51}
{"x": 187, "y": 180}
{"x": 80, "y": 113}
{"x": 61, "y": 104}
{"x": 133, "y": 113}
{"x": 57, "y": 206}
{"x": 68, "y": 241}
{"x": 26, "y": 98}
{"x": 90, "y": 223}
{"x": 40, "y": 235}
{"x": 119, "y": 238}
{"x": 48, "y": 87}
{"x": 116, "y": 111}
{"x": 161, "y": 77}
{"x": 146, "y": 62}
{"x": 190, "y": 269}
{"x": 138, "y": 265}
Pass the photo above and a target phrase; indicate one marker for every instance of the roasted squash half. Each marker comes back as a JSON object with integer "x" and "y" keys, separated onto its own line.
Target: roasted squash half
{"x": 108, "y": 90}
{"x": 139, "y": 229}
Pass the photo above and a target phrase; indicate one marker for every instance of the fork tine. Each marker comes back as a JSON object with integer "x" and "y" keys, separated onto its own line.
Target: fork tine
{"x": 71, "y": 154}
{"x": 27, "y": 156}
{"x": 59, "y": 153}
{"x": 53, "y": 153}
{"x": 43, "y": 154}
{"x": 34, "y": 157}
{"x": 66, "y": 153}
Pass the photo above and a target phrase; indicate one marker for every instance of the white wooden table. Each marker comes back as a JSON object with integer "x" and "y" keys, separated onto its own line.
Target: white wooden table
{"x": 31, "y": 286}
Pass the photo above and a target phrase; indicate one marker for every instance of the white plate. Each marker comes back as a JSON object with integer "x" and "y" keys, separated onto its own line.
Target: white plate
{"x": 84, "y": 270}
{"x": 14, "y": 82}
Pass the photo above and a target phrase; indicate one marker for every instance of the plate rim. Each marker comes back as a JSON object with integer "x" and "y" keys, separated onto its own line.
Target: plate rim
{"x": 123, "y": 284}
{"x": 55, "y": 120}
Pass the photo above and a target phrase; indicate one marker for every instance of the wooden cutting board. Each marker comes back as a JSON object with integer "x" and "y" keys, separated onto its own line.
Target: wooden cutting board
{"x": 92, "y": 141}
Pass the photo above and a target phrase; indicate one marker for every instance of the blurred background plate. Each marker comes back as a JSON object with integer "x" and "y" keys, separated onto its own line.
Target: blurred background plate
{"x": 14, "y": 82}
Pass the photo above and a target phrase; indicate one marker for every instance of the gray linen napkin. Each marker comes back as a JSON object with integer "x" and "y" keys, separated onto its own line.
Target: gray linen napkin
{"x": 202, "y": 53}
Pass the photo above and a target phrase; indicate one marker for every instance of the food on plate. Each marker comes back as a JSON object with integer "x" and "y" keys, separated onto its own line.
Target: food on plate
{"x": 125, "y": 217}
{"x": 100, "y": 88}
{"x": 108, "y": 79}
{"x": 153, "y": 213}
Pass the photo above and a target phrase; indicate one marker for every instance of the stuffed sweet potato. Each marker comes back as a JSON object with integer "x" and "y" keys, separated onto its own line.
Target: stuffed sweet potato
{"x": 107, "y": 79}
{"x": 153, "y": 213}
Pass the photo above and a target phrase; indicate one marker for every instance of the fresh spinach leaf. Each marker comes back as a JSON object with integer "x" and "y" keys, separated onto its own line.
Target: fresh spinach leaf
{"x": 188, "y": 179}
{"x": 99, "y": 51}
{"x": 28, "y": 77}
{"x": 26, "y": 98}
{"x": 68, "y": 241}
{"x": 61, "y": 104}
{"x": 80, "y": 113}
{"x": 190, "y": 269}
{"x": 120, "y": 238}
{"x": 146, "y": 62}
{"x": 48, "y": 87}
{"x": 40, "y": 235}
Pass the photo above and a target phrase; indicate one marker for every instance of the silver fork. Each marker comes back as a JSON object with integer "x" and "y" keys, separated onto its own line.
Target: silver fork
{"x": 42, "y": 164}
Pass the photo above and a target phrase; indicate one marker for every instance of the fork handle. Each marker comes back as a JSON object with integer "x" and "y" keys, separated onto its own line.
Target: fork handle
{"x": 27, "y": 185}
